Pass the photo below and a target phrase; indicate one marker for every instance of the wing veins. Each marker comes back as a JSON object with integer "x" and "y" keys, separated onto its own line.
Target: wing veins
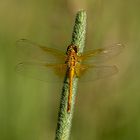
{"x": 32, "y": 51}
{"x": 102, "y": 54}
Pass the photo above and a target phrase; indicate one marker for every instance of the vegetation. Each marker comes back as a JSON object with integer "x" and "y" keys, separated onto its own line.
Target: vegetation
{"x": 107, "y": 109}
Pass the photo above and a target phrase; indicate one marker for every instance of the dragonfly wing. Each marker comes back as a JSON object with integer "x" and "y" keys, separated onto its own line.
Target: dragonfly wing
{"x": 29, "y": 51}
{"x": 42, "y": 71}
{"x": 94, "y": 72}
{"x": 102, "y": 54}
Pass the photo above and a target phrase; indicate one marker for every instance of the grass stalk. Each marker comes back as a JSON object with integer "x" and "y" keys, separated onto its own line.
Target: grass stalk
{"x": 64, "y": 118}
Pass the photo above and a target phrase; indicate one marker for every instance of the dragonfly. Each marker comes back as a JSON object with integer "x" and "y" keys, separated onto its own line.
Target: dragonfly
{"x": 42, "y": 62}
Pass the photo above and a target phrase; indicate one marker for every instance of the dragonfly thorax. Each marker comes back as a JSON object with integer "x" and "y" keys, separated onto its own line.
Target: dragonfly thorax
{"x": 72, "y": 57}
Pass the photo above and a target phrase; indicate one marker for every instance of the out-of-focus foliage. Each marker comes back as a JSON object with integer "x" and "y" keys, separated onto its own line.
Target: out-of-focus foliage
{"x": 107, "y": 109}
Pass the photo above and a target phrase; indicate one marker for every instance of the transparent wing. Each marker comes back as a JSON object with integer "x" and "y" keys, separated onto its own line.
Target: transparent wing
{"x": 102, "y": 54}
{"x": 29, "y": 51}
{"x": 42, "y": 71}
{"x": 93, "y": 72}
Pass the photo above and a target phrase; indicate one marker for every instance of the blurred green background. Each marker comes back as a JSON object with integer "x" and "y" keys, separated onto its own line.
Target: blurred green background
{"x": 107, "y": 109}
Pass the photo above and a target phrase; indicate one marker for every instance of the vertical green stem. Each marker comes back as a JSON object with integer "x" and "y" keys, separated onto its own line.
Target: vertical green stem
{"x": 64, "y": 118}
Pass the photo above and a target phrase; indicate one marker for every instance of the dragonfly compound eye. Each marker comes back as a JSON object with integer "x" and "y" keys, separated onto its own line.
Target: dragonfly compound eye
{"x": 72, "y": 47}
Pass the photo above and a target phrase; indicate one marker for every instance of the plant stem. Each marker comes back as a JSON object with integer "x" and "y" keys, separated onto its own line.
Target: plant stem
{"x": 64, "y": 118}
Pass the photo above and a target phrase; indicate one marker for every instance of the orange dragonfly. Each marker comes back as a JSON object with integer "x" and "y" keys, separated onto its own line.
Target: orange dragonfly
{"x": 41, "y": 62}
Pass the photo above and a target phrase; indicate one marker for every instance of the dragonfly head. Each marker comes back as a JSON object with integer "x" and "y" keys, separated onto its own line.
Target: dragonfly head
{"x": 72, "y": 48}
